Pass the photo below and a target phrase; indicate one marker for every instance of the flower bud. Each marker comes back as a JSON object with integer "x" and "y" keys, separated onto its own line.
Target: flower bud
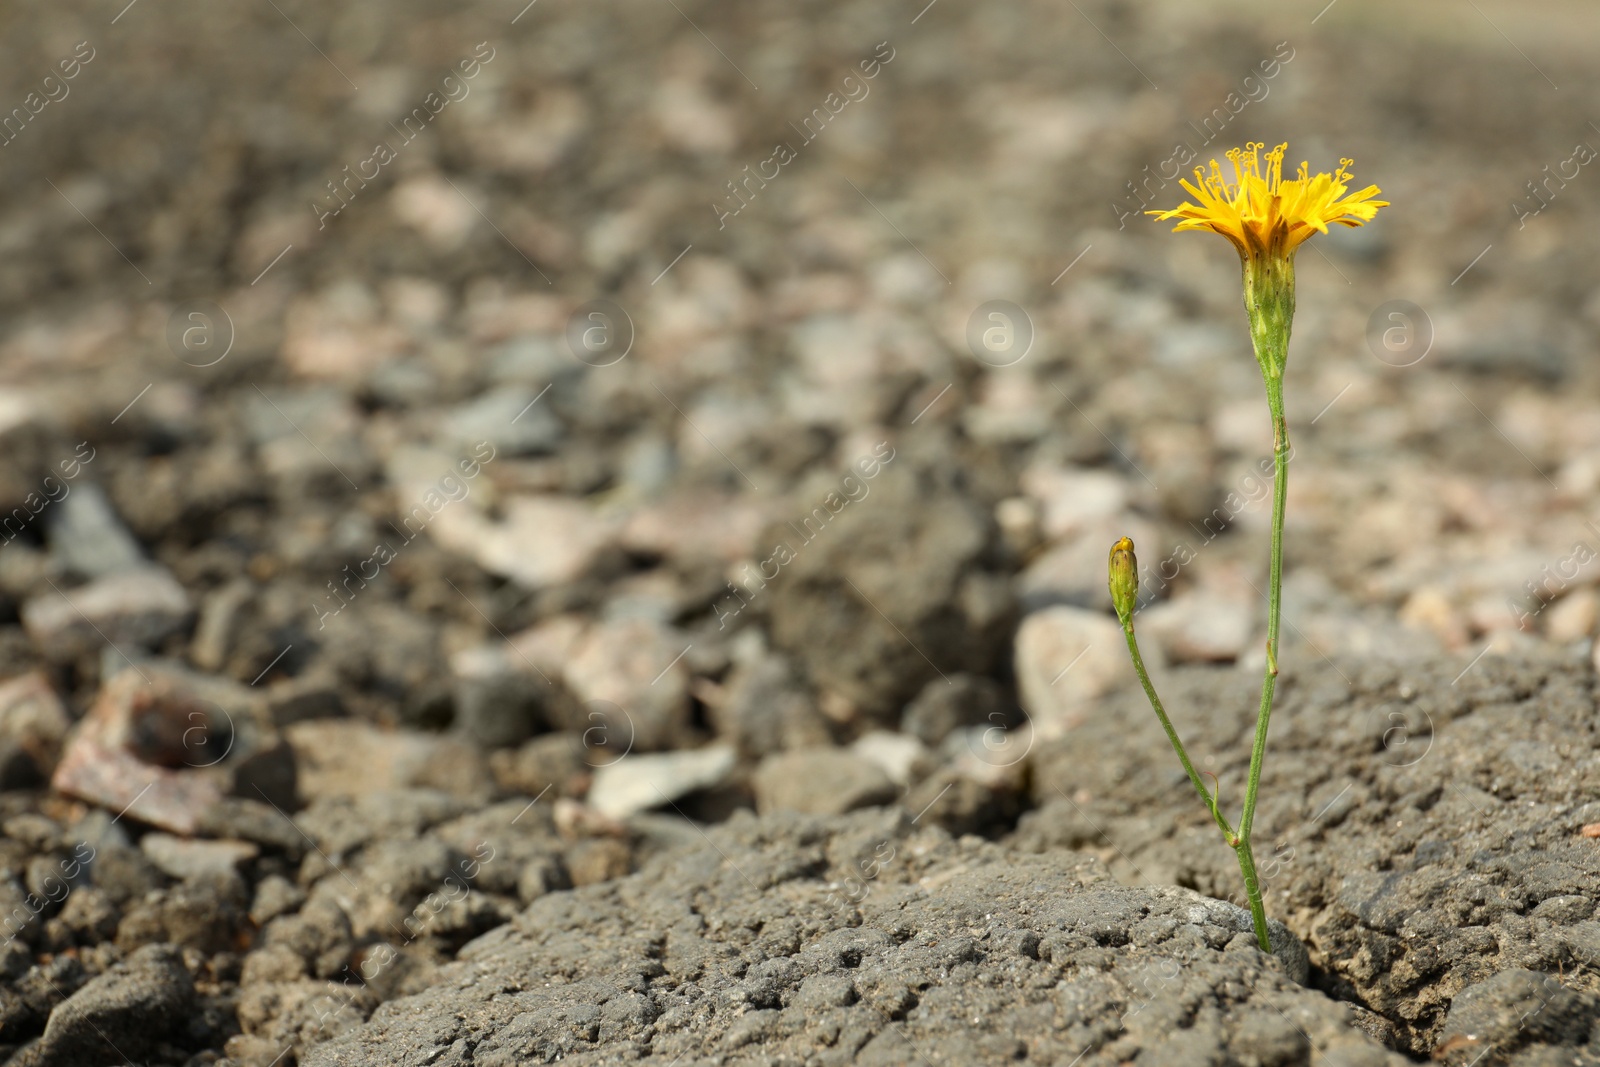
{"x": 1123, "y": 578}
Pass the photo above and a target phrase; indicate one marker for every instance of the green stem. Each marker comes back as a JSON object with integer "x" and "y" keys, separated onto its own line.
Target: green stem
{"x": 1269, "y": 300}
{"x": 1252, "y": 890}
{"x": 1172, "y": 734}
{"x": 1269, "y": 680}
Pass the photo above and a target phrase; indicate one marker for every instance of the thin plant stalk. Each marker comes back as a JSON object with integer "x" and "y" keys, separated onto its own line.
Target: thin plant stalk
{"x": 1206, "y": 796}
{"x": 1269, "y": 300}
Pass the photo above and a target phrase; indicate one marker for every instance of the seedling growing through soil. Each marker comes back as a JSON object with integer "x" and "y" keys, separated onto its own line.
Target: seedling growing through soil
{"x": 1266, "y": 219}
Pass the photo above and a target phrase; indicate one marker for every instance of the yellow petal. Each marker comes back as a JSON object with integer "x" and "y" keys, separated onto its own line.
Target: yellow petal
{"x": 1263, "y": 214}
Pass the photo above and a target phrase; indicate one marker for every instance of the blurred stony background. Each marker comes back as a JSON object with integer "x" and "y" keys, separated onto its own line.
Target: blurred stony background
{"x": 479, "y": 447}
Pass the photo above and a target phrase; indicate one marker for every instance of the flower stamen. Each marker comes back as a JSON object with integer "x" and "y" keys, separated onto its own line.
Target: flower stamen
{"x": 1261, "y": 213}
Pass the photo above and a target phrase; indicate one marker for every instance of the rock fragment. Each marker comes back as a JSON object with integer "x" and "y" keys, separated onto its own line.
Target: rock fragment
{"x": 165, "y": 746}
{"x": 88, "y": 538}
{"x": 632, "y": 673}
{"x": 129, "y": 609}
{"x": 643, "y": 781}
{"x": 1066, "y": 658}
{"x": 820, "y": 781}
{"x": 128, "y": 1011}
{"x": 184, "y": 859}
{"x": 945, "y": 705}
{"x": 33, "y": 726}
{"x": 764, "y": 708}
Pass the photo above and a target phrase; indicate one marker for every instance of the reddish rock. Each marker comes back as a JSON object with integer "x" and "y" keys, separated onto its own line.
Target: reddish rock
{"x": 165, "y": 746}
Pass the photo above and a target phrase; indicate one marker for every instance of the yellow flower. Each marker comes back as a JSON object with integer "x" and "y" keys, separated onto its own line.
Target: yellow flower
{"x": 1264, "y": 215}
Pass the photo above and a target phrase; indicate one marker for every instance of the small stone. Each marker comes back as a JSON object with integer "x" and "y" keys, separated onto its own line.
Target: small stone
{"x": 498, "y": 706}
{"x": 697, "y": 525}
{"x": 946, "y": 705}
{"x": 572, "y": 820}
{"x": 275, "y": 896}
{"x": 89, "y": 915}
{"x": 165, "y": 745}
{"x": 219, "y": 619}
{"x": 993, "y": 755}
{"x": 1073, "y": 498}
{"x": 33, "y": 726}
{"x": 33, "y": 990}
{"x": 254, "y": 821}
{"x": 644, "y": 781}
{"x": 185, "y": 859}
{"x": 319, "y": 933}
{"x": 659, "y": 595}
{"x": 1009, "y": 408}
{"x": 88, "y": 538}
{"x": 541, "y": 875}
{"x": 1566, "y": 910}
{"x": 1199, "y": 627}
{"x": 300, "y": 699}
{"x": 822, "y": 991}
{"x": 337, "y": 334}
{"x": 131, "y": 608}
{"x": 543, "y": 540}
{"x": 543, "y": 647}
{"x": 962, "y": 803}
{"x": 1512, "y": 641}
{"x": 870, "y": 598}
{"x": 1066, "y": 658}
{"x": 516, "y": 419}
{"x": 117, "y": 780}
{"x": 346, "y": 758}
{"x": 36, "y": 831}
{"x": 554, "y": 761}
{"x": 274, "y": 963}
{"x": 598, "y": 860}
{"x": 43, "y": 878}
{"x": 1018, "y": 519}
{"x": 645, "y": 470}
{"x": 415, "y": 302}
{"x": 634, "y": 669}
{"x": 820, "y": 781}
{"x": 434, "y": 209}
{"x": 765, "y": 708}
{"x": 896, "y": 754}
{"x": 280, "y": 1017}
{"x": 128, "y": 1011}
{"x": 692, "y": 119}
{"x": 206, "y": 914}
{"x": 394, "y": 876}
{"x": 1572, "y": 618}
{"x": 124, "y": 874}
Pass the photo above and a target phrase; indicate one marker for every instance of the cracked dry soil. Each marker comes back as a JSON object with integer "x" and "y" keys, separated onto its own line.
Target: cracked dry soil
{"x": 1442, "y": 886}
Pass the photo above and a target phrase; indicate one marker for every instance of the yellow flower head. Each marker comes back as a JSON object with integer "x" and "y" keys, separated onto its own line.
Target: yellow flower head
{"x": 1260, "y": 212}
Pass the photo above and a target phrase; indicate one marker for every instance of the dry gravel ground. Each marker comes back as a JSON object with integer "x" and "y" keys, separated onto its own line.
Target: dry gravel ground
{"x": 509, "y": 552}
